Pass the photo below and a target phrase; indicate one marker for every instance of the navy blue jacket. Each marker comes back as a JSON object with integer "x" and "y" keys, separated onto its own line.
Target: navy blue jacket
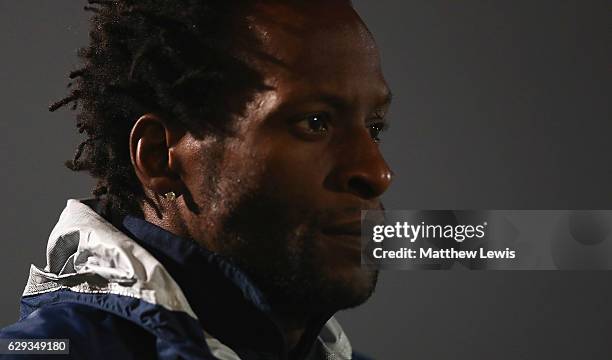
{"x": 136, "y": 291}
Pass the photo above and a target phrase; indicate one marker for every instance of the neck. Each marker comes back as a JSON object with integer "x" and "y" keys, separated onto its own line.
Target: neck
{"x": 294, "y": 322}
{"x": 293, "y": 328}
{"x": 293, "y": 335}
{"x": 165, "y": 219}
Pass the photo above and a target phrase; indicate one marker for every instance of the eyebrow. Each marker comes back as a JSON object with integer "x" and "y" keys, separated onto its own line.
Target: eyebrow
{"x": 388, "y": 98}
{"x": 384, "y": 105}
{"x": 340, "y": 102}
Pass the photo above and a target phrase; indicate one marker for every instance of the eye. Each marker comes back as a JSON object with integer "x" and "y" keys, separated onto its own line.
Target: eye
{"x": 376, "y": 129}
{"x": 314, "y": 124}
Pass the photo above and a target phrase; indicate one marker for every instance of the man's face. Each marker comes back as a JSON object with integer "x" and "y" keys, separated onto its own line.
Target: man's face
{"x": 283, "y": 195}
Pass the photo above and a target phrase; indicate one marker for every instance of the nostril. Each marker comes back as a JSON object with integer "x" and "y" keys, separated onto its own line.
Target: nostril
{"x": 360, "y": 187}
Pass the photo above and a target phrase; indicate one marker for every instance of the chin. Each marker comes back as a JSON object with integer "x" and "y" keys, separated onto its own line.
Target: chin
{"x": 330, "y": 290}
{"x": 352, "y": 287}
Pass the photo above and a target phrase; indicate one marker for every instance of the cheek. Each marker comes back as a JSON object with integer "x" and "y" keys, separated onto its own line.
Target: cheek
{"x": 298, "y": 174}
{"x": 218, "y": 174}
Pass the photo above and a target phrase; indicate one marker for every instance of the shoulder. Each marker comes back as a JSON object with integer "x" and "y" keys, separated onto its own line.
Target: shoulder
{"x": 93, "y": 333}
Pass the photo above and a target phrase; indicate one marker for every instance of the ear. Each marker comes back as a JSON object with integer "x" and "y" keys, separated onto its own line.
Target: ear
{"x": 152, "y": 143}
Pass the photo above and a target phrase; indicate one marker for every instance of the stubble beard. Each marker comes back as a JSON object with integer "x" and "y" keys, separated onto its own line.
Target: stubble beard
{"x": 275, "y": 245}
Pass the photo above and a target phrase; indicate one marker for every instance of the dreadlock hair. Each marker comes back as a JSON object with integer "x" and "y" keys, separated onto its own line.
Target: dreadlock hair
{"x": 175, "y": 58}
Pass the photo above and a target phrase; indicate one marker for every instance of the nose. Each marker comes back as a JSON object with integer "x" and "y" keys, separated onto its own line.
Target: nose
{"x": 361, "y": 169}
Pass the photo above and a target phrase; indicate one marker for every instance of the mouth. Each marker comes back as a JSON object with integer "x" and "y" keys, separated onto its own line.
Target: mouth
{"x": 346, "y": 234}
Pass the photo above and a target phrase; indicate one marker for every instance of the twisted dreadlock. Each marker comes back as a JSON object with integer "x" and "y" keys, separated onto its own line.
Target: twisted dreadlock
{"x": 174, "y": 58}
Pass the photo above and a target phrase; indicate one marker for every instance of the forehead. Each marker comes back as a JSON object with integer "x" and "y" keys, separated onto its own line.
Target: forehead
{"x": 316, "y": 46}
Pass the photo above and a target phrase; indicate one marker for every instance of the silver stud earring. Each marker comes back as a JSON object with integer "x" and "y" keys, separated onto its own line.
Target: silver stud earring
{"x": 171, "y": 196}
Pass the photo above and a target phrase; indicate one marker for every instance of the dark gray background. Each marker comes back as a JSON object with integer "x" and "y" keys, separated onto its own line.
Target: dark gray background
{"x": 499, "y": 105}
